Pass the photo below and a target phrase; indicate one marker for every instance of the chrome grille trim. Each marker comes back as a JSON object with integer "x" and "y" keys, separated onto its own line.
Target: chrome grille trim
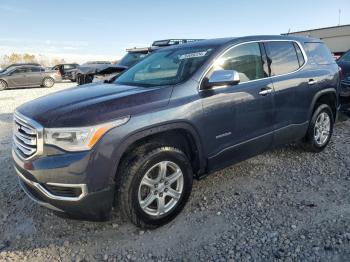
{"x": 28, "y": 151}
{"x": 27, "y": 136}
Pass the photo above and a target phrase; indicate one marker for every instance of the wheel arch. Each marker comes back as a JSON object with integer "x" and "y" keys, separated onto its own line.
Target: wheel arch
{"x": 326, "y": 96}
{"x": 179, "y": 134}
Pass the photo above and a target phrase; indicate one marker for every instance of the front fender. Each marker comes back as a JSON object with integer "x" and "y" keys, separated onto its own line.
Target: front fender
{"x": 157, "y": 129}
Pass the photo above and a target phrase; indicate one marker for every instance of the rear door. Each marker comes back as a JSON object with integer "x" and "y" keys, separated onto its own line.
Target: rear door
{"x": 286, "y": 58}
{"x": 238, "y": 118}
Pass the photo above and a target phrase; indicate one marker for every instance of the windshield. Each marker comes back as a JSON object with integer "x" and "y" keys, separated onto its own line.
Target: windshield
{"x": 131, "y": 58}
{"x": 10, "y": 68}
{"x": 166, "y": 67}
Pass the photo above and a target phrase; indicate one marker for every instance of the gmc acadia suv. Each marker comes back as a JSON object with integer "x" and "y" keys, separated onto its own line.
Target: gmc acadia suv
{"x": 182, "y": 112}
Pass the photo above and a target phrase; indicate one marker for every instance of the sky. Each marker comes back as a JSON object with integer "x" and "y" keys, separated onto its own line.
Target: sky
{"x": 102, "y": 30}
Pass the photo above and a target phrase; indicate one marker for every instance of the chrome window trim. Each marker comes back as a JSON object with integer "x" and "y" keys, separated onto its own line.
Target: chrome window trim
{"x": 49, "y": 195}
{"x": 39, "y": 133}
{"x": 248, "y": 42}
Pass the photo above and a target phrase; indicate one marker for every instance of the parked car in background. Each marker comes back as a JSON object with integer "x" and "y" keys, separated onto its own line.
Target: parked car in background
{"x": 67, "y": 71}
{"x": 85, "y": 72}
{"x": 344, "y": 64}
{"x": 27, "y": 76}
{"x": 133, "y": 56}
{"x": 18, "y": 64}
{"x": 180, "y": 113}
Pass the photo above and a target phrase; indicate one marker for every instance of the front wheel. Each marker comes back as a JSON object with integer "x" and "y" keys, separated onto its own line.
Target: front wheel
{"x": 155, "y": 186}
{"x": 3, "y": 85}
{"x": 48, "y": 82}
{"x": 320, "y": 129}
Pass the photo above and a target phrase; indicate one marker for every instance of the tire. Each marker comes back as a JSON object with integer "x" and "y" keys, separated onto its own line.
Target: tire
{"x": 320, "y": 131}
{"x": 48, "y": 82}
{"x": 144, "y": 166}
{"x": 3, "y": 85}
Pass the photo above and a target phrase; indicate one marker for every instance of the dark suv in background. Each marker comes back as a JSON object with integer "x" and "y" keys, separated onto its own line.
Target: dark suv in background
{"x": 109, "y": 72}
{"x": 344, "y": 64}
{"x": 182, "y": 112}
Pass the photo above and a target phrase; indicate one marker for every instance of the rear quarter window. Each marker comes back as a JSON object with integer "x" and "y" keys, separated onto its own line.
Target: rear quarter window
{"x": 319, "y": 53}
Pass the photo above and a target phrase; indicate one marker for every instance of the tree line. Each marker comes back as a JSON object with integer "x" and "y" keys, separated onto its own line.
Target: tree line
{"x": 6, "y": 60}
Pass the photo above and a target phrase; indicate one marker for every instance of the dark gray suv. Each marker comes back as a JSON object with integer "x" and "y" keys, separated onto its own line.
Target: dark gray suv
{"x": 181, "y": 113}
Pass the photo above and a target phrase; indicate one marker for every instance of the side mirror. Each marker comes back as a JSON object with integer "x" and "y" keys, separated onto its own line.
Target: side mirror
{"x": 221, "y": 78}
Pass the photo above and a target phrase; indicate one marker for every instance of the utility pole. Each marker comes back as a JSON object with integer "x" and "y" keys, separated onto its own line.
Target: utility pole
{"x": 339, "y": 16}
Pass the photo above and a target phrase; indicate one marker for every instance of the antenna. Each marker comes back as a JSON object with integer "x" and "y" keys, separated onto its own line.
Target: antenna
{"x": 339, "y": 16}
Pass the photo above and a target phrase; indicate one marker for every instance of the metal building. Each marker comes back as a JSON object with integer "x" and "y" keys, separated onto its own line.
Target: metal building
{"x": 337, "y": 38}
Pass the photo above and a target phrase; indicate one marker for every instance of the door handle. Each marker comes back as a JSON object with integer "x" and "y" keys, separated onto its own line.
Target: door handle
{"x": 312, "y": 82}
{"x": 265, "y": 91}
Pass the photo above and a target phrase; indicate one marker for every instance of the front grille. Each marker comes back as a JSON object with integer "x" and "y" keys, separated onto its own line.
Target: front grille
{"x": 24, "y": 138}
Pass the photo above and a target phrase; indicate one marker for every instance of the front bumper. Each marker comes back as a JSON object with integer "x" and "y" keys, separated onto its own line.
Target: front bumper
{"x": 54, "y": 185}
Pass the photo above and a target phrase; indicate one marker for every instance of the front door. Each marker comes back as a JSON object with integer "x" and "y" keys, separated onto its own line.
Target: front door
{"x": 17, "y": 77}
{"x": 238, "y": 119}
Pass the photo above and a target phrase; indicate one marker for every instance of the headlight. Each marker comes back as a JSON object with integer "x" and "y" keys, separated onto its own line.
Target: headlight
{"x": 79, "y": 138}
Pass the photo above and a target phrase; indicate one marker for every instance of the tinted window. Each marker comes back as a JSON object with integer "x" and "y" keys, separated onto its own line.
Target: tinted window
{"x": 69, "y": 66}
{"x": 245, "y": 59}
{"x": 319, "y": 53}
{"x": 35, "y": 69}
{"x": 166, "y": 67}
{"x": 345, "y": 57}
{"x": 21, "y": 70}
{"x": 131, "y": 58}
{"x": 283, "y": 57}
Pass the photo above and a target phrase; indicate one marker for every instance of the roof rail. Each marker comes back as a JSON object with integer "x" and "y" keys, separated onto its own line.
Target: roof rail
{"x": 169, "y": 42}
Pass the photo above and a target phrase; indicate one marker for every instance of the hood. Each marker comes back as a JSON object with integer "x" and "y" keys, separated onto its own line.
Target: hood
{"x": 345, "y": 67}
{"x": 93, "y": 104}
{"x": 112, "y": 69}
{"x": 92, "y": 68}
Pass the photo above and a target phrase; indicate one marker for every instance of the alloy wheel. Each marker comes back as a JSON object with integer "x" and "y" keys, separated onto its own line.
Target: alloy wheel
{"x": 161, "y": 188}
{"x": 322, "y": 128}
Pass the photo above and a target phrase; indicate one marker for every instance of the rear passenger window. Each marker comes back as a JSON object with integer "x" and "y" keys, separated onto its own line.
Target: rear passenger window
{"x": 245, "y": 59}
{"x": 35, "y": 69}
{"x": 319, "y": 53}
{"x": 283, "y": 57}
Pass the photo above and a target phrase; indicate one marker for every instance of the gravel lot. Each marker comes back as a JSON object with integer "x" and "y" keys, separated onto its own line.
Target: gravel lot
{"x": 283, "y": 205}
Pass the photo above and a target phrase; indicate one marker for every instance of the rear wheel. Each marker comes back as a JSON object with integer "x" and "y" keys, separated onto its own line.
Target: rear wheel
{"x": 320, "y": 129}
{"x": 48, "y": 82}
{"x": 155, "y": 186}
{"x": 3, "y": 85}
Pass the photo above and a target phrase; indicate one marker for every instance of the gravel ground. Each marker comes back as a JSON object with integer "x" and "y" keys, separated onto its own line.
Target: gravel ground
{"x": 282, "y": 205}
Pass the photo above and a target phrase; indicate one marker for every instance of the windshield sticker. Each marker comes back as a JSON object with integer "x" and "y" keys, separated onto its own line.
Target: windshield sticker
{"x": 192, "y": 55}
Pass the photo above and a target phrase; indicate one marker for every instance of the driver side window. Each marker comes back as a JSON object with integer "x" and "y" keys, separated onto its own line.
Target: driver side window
{"x": 245, "y": 59}
{"x": 20, "y": 71}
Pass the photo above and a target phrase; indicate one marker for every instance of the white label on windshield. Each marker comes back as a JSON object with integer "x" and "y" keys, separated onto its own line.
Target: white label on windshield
{"x": 192, "y": 55}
